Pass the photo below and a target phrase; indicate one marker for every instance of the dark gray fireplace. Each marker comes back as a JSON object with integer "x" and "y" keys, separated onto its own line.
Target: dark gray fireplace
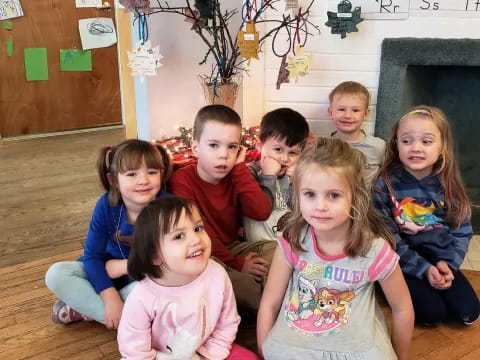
{"x": 439, "y": 72}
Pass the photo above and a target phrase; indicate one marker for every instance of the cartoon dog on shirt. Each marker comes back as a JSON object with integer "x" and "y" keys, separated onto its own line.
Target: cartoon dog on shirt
{"x": 332, "y": 305}
{"x": 306, "y": 292}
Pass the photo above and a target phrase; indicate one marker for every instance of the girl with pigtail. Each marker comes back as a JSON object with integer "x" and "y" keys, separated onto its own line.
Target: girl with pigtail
{"x": 95, "y": 286}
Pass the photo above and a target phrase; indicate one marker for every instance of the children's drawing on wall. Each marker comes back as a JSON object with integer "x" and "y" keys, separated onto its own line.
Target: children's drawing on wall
{"x": 10, "y": 9}
{"x": 88, "y": 3}
{"x": 97, "y": 33}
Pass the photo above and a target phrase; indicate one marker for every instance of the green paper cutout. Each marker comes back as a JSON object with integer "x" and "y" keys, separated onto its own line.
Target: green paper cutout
{"x": 75, "y": 60}
{"x": 36, "y": 64}
{"x": 9, "y": 47}
{"x": 7, "y": 25}
{"x": 345, "y": 20}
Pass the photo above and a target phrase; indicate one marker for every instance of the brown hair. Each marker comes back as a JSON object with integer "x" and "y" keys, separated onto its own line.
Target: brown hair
{"x": 126, "y": 156}
{"x": 365, "y": 223}
{"x": 155, "y": 221}
{"x": 456, "y": 198}
{"x": 220, "y": 113}
{"x": 350, "y": 88}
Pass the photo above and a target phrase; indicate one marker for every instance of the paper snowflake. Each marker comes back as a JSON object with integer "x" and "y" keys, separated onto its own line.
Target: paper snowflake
{"x": 144, "y": 60}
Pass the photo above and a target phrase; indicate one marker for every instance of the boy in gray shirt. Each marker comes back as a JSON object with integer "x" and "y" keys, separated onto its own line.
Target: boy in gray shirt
{"x": 283, "y": 134}
{"x": 349, "y": 108}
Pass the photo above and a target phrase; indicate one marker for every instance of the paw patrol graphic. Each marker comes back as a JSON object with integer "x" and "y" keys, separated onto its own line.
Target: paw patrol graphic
{"x": 317, "y": 311}
{"x": 413, "y": 218}
{"x": 306, "y": 302}
{"x": 332, "y": 305}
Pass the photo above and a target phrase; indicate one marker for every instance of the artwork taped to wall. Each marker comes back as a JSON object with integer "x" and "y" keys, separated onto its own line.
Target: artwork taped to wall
{"x": 377, "y": 9}
{"x": 445, "y": 8}
{"x": 97, "y": 33}
{"x": 10, "y": 9}
{"x": 88, "y": 3}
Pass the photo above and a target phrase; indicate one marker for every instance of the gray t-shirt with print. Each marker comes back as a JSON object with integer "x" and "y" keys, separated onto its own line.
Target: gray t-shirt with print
{"x": 329, "y": 309}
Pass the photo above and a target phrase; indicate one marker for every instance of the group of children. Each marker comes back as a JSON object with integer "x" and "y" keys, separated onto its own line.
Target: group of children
{"x": 301, "y": 234}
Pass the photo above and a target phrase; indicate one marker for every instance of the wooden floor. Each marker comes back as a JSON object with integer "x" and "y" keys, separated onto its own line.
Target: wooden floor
{"x": 47, "y": 190}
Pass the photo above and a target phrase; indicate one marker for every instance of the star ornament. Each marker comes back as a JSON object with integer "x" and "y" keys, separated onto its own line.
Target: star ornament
{"x": 144, "y": 60}
{"x": 346, "y": 20}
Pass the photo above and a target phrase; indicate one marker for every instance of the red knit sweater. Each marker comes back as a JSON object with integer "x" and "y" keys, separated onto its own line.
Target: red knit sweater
{"x": 222, "y": 205}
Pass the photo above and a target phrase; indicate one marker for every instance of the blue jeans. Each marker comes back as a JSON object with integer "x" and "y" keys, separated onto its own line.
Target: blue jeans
{"x": 459, "y": 302}
{"x": 69, "y": 282}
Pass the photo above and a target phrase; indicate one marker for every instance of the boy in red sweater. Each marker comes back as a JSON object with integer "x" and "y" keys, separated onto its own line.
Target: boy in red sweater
{"x": 224, "y": 189}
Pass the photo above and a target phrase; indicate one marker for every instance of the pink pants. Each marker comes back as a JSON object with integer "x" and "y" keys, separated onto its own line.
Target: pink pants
{"x": 240, "y": 353}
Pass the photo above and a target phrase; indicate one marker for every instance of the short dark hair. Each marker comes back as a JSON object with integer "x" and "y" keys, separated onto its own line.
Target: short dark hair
{"x": 284, "y": 124}
{"x": 154, "y": 222}
{"x": 221, "y": 113}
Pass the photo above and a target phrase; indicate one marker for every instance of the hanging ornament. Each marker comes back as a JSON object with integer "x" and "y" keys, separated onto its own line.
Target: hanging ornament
{"x": 346, "y": 20}
{"x": 283, "y": 73}
{"x": 144, "y": 60}
{"x": 291, "y": 4}
{"x": 141, "y": 6}
{"x": 193, "y": 17}
{"x": 206, "y": 8}
{"x": 298, "y": 63}
{"x": 248, "y": 42}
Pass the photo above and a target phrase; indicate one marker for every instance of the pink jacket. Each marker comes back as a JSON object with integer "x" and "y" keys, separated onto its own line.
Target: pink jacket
{"x": 200, "y": 316}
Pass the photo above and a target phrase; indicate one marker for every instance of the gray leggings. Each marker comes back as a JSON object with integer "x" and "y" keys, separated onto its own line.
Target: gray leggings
{"x": 69, "y": 282}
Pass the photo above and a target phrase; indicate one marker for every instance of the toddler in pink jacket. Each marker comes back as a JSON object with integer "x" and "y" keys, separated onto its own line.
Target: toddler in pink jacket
{"x": 183, "y": 306}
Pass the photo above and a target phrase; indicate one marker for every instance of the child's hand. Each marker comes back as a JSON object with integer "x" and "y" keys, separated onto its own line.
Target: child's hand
{"x": 291, "y": 170}
{"x": 444, "y": 269}
{"x": 113, "y": 306}
{"x": 435, "y": 278}
{"x": 242, "y": 154}
{"x": 270, "y": 166}
{"x": 255, "y": 266}
{"x": 116, "y": 268}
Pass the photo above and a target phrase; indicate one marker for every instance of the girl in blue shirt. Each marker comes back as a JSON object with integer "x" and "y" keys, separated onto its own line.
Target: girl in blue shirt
{"x": 96, "y": 285}
{"x": 420, "y": 191}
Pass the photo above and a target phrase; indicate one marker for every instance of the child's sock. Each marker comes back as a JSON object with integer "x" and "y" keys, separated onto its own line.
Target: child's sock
{"x": 64, "y": 314}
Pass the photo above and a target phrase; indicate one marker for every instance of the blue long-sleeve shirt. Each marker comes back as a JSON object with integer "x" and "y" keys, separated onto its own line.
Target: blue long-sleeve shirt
{"x": 101, "y": 245}
{"x": 416, "y": 214}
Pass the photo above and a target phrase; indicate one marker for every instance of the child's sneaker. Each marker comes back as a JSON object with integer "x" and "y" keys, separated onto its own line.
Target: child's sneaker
{"x": 64, "y": 314}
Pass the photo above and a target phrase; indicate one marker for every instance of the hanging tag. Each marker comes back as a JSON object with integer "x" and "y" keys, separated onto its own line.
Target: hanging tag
{"x": 298, "y": 64}
{"x": 291, "y": 4}
{"x": 283, "y": 73}
{"x": 248, "y": 42}
{"x": 144, "y": 60}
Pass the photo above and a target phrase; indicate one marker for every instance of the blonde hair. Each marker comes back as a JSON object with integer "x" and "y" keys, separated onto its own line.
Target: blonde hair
{"x": 456, "y": 198}
{"x": 365, "y": 223}
{"x": 350, "y": 88}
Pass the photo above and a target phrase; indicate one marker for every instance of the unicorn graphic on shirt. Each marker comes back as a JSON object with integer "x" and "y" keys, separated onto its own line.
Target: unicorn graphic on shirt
{"x": 412, "y": 217}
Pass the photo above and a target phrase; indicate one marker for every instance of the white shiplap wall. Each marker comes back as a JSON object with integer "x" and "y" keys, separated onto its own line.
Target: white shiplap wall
{"x": 357, "y": 58}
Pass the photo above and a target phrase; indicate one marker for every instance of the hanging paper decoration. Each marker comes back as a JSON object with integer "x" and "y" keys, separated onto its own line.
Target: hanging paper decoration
{"x": 291, "y": 4}
{"x": 193, "y": 17}
{"x": 346, "y": 20}
{"x": 248, "y": 41}
{"x": 205, "y": 7}
{"x": 298, "y": 63}
{"x": 283, "y": 73}
{"x": 144, "y": 60}
{"x": 141, "y": 6}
